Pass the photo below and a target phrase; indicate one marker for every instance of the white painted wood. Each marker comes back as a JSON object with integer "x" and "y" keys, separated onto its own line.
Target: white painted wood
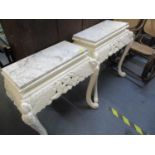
{"x": 120, "y": 72}
{"x": 30, "y": 119}
{"x": 102, "y": 41}
{"x": 93, "y": 84}
{"x": 34, "y": 82}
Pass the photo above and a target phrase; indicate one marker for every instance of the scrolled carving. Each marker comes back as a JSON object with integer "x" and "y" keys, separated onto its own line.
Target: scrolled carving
{"x": 27, "y": 115}
{"x": 52, "y": 91}
{"x": 94, "y": 63}
{"x": 29, "y": 118}
{"x": 65, "y": 84}
{"x": 26, "y": 108}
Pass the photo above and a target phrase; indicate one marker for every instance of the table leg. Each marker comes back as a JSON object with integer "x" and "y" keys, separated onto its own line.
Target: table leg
{"x": 93, "y": 85}
{"x": 120, "y": 72}
{"x": 96, "y": 92}
{"x": 31, "y": 119}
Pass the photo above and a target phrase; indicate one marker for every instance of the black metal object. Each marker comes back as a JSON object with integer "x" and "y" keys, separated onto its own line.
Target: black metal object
{"x": 149, "y": 70}
{"x": 142, "y": 37}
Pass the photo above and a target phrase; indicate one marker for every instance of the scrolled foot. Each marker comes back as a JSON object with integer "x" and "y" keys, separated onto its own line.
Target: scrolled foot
{"x": 95, "y": 105}
{"x": 96, "y": 100}
{"x": 122, "y": 74}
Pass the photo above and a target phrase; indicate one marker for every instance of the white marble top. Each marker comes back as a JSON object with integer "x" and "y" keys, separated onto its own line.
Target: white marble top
{"x": 32, "y": 67}
{"x": 100, "y": 31}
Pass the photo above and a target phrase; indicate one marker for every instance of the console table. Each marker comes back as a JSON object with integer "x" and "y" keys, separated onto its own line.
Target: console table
{"x": 103, "y": 40}
{"x": 34, "y": 82}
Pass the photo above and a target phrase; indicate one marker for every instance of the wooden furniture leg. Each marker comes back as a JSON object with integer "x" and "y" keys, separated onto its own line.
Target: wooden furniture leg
{"x": 120, "y": 72}
{"x": 31, "y": 119}
{"x": 93, "y": 86}
{"x": 96, "y": 92}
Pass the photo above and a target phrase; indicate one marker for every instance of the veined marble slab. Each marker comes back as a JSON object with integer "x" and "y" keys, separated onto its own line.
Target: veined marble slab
{"x": 98, "y": 32}
{"x": 30, "y": 68}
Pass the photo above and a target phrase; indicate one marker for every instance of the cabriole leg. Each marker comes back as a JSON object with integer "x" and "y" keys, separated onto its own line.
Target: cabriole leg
{"x": 96, "y": 92}
{"x": 31, "y": 119}
{"x": 93, "y": 86}
{"x": 120, "y": 72}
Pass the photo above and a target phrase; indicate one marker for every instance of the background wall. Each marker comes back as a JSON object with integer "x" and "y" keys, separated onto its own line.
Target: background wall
{"x": 29, "y": 36}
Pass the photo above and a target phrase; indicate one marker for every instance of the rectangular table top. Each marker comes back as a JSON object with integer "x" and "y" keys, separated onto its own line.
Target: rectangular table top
{"x": 37, "y": 65}
{"x": 101, "y": 31}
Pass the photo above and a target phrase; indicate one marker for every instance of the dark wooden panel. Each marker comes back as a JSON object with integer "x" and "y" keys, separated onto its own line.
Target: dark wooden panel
{"x": 29, "y": 36}
{"x": 68, "y": 27}
{"x": 90, "y": 22}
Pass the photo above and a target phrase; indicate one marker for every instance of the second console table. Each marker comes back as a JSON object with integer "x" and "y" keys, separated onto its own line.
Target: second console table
{"x": 103, "y": 40}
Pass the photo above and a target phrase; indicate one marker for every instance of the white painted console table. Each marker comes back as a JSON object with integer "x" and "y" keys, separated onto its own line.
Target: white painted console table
{"x": 102, "y": 41}
{"x": 34, "y": 82}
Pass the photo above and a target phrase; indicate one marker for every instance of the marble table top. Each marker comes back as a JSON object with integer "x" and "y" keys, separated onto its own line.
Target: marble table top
{"x": 100, "y": 31}
{"x": 30, "y": 68}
